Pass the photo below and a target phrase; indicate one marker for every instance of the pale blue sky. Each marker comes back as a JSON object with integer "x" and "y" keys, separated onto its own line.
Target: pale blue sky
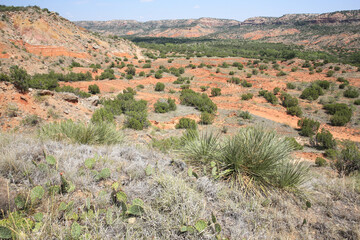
{"x": 143, "y": 10}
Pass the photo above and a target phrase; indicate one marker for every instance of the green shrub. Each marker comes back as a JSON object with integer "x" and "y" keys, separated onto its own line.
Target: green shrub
{"x": 323, "y": 84}
{"x": 357, "y": 102}
{"x": 159, "y": 87}
{"x": 181, "y": 80}
{"x": 245, "y": 115}
{"x": 140, "y": 86}
{"x": 341, "y": 113}
{"x": 99, "y": 133}
{"x": 186, "y": 123}
{"x": 320, "y": 162}
{"x": 161, "y": 107}
{"x": 276, "y": 90}
{"x": 246, "y": 84}
{"x": 288, "y": 100}
{"x": 281, "y": 73}
{"x": 330, "y": 73}
{"x": 294, "y": 111}
{"x": 215, "y": 92}
{"x": 201, "y": 101}
{"x": 102, "y": 115}
{"x": 325, "y": 140}
{"x": 94, "y": 89}
{"x": 234, "y": 80}
{"x": 206, "y": 118}
{"x": 348, "y": 160}
{"x": 158, "y": 75}
{"x": 331, "y": 154}
{"x": 312, "y": 93}
{"x": 204, "y": 88}
{"x": 351, "y": 92}
{"x": 246, "y": 96}
{"x": 147, "y": 65}
{"x": 308, "y": 127}
{"x": 244, "y": 159}
{"x": 137, "y": 120}
{"x": 271, "y": 98}
{"x": 20, "y": 78}
{"x": 107, "y": 74}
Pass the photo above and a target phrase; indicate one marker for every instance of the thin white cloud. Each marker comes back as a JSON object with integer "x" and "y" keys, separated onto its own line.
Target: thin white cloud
{"x": 197, "y": 6}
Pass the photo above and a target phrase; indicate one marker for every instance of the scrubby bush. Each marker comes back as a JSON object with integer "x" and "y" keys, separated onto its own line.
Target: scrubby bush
{"x": 325, "y": 140}
{"x": 201, "y": 101}
{"x": 330, "y": 73}
{"x": 348, "y": 160}
{"x": 246, "y": 84}
{"x": 288, "y": 100}
{"x": 204, "y": 88}
{"x": 281, "y": 73}
{"x": 323, "y": 84}
{"x": 351, "y": 92}
{"x": 107, "y": 74}
{"x": 357, "y": 102}
{"x": 331, "y": 154}
{"x": 294, "y": 111}
{"x": 276, "y": 90}
{"x": 163, "y": 107}
{"x": 206, "y": 118}
{"x": 94, "y": 89}
{"x": 186, "y": 123}
{"x": 312, "y": 93}
{"x": 246, "y": 96}
{"x": 20, "y": 78}
{"x": 234, "y": 80}
{"x": 245, "y": 115}
{"x": 137, "y": 120}
{"x": 158, "y": 75}
{"x": 308, "y": 127}
{"x": 215, "y": 92}
{"x": 341, "y": 113}
{"x": 102, "y": 115}
{"x": 320, "y": 162}
{"x": 271, "y": 98}
{"x": 159, "y": 87}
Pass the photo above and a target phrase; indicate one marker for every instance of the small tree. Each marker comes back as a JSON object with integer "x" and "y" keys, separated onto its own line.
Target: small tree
{"x": 159, "y": 87}
{"x": 20, "y": 78}
{"x": 215, "y": 92}
{"x": 94, "y": 89}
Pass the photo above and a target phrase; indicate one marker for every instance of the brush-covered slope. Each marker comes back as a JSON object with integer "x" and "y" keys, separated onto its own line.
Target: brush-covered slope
{"x": 39, "y": 39}
{"x": 336, "y": 29}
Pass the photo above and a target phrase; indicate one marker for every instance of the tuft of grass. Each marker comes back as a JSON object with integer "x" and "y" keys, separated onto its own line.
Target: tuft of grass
{"x": 100, "y": 133}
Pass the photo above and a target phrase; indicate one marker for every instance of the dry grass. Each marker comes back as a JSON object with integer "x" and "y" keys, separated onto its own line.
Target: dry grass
{"x": 171, "y": 198}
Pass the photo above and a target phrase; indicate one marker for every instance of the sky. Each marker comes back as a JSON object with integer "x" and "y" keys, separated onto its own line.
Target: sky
{"x": 145, "y": 10}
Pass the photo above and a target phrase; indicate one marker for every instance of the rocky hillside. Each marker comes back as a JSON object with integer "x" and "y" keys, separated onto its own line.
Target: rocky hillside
{"x": 41, "y": 40}
{"x": 163, "y": 28}
{"x": 336, "y": 29}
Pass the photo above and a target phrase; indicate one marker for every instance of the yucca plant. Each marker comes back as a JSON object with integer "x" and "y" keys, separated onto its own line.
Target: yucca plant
{"x": 255, "y": 154}
{"x": 99, "y": 133}
{"x": 200, "y": 147}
